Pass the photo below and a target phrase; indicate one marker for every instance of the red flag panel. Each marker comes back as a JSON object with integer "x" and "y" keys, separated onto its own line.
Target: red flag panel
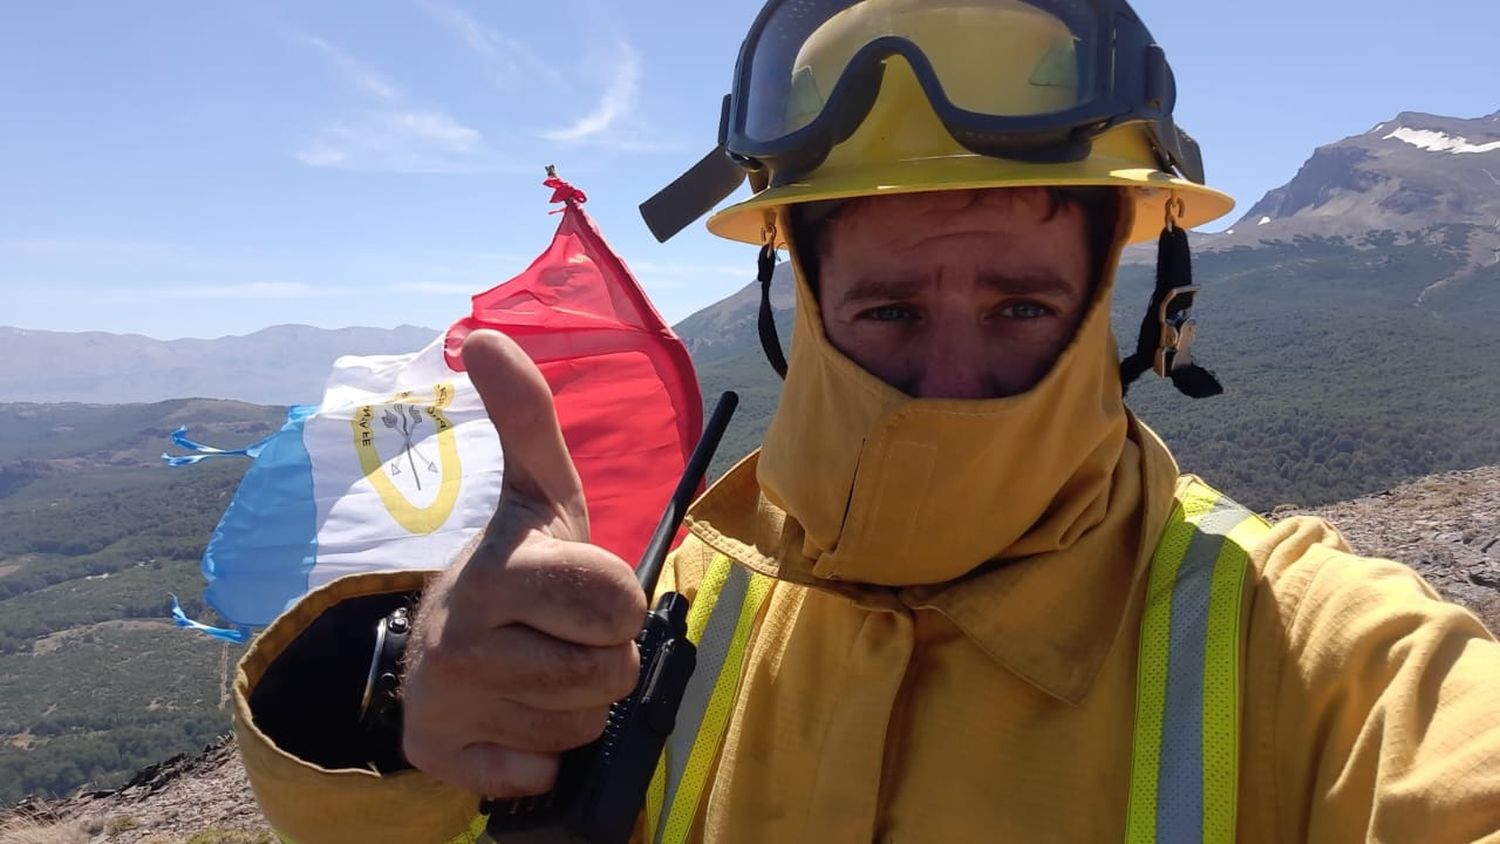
{"x": 626, "y": 393}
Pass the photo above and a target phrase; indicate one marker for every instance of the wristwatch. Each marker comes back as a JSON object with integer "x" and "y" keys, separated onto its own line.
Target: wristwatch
{"x": 380, "y": 705}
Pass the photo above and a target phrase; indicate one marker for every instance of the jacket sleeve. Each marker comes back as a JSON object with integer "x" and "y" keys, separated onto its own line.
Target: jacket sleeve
{"x": 296, "y": 702}
{"x": 1386, "y": 700}
{"x": 297, "y": 694}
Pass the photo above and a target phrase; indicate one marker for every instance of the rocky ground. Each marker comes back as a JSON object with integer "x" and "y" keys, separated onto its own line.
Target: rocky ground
{"x": 196, "y": 799}
{"x": 1446, "y": 526}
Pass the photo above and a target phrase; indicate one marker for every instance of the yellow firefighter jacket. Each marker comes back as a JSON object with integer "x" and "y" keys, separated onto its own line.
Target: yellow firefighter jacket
{"x": 949, "y": 649}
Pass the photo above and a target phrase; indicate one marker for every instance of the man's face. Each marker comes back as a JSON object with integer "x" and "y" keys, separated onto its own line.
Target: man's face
{"x": 959, "y": 294}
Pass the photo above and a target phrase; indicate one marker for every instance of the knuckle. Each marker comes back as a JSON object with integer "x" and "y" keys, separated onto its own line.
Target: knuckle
{"x": 498, "y": 772}
{"x": 585, "y": 726}
{"x": 525, "y": 729}
{"x": 621, "y": 669}
{"x": 522, "y": 663}
{"x": 612, "y": 600}
{"x": 573, "y": 667}
{"x": 627, "y": 605}
{"x": 590, "y": 585}
{"x": 574, "y": 671}
{"x": 557, "y": 732}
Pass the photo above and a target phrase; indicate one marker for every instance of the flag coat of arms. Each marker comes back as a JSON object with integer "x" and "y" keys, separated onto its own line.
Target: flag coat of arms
{"x": 399, "y": 466}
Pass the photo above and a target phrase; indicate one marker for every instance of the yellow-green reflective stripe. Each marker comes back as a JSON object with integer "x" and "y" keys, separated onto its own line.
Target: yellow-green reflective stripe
{"x": 473, "y": 833}
{"x": 699, "y": 613}
{"x": 1151, "y": 675}
{"x": 715, "y": 717}
{"x": 719, "y": 623}
{"x": 1184, "y": 770}
{"x": 1179, "y": 804}
{"x": 655, "y": 795}
{"x": 1221, "y": 681}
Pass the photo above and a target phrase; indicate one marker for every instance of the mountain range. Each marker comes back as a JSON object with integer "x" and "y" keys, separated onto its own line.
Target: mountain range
{"x": 283, "y": 364}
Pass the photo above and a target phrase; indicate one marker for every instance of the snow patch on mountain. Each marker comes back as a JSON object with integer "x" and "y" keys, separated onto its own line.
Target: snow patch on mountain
{"x": 1439, "y": 142}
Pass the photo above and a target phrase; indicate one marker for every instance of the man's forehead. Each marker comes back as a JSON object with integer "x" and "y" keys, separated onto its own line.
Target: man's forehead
{"x": 936, "y": 209}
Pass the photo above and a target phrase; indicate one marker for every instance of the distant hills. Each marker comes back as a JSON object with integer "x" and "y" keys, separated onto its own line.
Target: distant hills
{"x": 283, "y": 364}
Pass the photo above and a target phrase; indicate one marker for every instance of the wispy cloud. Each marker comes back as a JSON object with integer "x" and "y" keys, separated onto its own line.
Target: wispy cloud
{"x": 620, "y": 95}
{"x": 354, "y": 71}
{"x": 397, "y": 137}
{"x": 395, "y": 141}
{"x": 506, "y": 57}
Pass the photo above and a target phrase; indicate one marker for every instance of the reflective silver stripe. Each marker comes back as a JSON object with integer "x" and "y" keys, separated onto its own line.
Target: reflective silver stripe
{"x": 1179, "y": 805}
{"x": 713, "y": 648}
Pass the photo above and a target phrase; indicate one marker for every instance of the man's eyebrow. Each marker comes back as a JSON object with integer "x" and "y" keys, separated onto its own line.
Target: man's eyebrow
{"x": 895, "y": 289}
{"x": 882, "y": 289}
{"x": 1024, "y": 284}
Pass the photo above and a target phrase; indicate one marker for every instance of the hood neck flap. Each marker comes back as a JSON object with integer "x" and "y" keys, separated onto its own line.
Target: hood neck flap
{"x": 899, "y": 491}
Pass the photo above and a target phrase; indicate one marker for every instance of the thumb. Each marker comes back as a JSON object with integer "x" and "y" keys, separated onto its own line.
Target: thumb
{"x": 539, "y": 474}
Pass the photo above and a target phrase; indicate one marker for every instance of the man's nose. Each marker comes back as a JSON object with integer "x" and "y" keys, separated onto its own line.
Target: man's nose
{"x": 953, "y": 367}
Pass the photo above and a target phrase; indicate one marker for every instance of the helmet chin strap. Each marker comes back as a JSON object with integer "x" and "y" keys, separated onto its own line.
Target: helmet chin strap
{"x": 770, "y": 342}
{"x": 1168, "y": 328}
{"x": 1164, "y": 343}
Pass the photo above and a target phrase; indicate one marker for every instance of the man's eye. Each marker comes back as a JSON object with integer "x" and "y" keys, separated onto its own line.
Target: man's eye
{"x": 1027, "y": 310}
{"x": 888, "y": 313}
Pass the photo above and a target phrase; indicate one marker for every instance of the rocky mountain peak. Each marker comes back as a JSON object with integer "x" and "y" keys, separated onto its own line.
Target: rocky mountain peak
{"x": 1410, "y": 174}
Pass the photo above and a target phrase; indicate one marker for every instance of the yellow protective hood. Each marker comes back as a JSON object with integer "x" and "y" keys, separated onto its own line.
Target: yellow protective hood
{"x": 896, "y": 491}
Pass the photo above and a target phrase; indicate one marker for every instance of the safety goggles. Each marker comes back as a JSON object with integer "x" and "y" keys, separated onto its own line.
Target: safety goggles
{"x": 1027, "y": 80}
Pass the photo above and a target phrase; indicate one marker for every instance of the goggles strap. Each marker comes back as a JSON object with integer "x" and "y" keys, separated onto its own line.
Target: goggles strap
{"x": 1167, "y": 330}
{"x": 770, "y": 342}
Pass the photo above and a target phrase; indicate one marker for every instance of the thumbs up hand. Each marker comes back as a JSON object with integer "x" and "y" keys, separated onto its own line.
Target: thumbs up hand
{"x": 520, "y": 646}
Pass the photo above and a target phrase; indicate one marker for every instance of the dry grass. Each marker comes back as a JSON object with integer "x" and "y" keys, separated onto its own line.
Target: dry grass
{"x": 232, "y": 836}
{"x": 22, "y": 829}
{"x": 25, "y": 830}
{"x": 117, "y": 825}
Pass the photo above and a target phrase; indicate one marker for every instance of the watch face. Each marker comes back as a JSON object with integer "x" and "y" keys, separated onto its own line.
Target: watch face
{"x": 380, "y": 706}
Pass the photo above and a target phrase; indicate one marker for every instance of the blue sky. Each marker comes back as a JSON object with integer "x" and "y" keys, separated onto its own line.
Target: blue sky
{"x": 199, "y": 169}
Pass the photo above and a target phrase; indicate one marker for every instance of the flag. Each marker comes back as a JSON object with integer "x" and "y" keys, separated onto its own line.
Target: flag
{"x": 626, "y": 393}
{"x": 399, "y": 466}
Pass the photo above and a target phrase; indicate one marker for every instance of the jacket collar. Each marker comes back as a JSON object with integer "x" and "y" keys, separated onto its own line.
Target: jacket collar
{"x": 1051, "y": 619}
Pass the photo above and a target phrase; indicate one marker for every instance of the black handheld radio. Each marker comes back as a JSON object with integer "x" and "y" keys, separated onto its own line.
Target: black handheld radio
{"x": 601, "y": 787}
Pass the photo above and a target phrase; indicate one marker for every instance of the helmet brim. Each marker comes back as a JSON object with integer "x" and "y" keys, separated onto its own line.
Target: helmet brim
{"x": 1150, "y": 189}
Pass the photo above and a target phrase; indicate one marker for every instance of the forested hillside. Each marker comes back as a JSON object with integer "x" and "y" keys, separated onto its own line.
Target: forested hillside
{"x": 95, "y": 534}
{"x": 1337, "y": 381}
